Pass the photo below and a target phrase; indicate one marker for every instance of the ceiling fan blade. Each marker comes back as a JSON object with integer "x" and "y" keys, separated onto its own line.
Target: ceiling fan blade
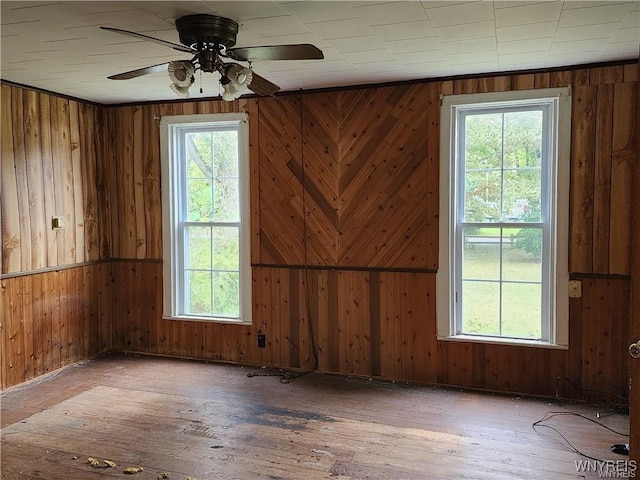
{"x": 175, "y": 46}
{"x": 140, "y": 71}
{"x": 301, "y": 51}
{"x": 261, "y": 86}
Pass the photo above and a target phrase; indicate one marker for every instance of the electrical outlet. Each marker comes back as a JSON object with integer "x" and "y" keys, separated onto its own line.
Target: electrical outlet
{"x": 57, "y": 223}
{"x": 262, "y": 340}
{"x": 575, "y": 289}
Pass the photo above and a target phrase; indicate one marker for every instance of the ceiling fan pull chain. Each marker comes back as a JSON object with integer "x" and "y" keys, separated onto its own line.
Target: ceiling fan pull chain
{"x": 200, "y": 81}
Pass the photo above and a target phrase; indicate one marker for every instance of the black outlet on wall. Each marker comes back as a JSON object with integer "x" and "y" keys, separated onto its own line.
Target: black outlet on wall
{"x": 262, "y": 340}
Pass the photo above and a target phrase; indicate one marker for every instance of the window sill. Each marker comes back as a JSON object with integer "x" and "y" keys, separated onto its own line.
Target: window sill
{"x": 515, "y": 342}
{"x": 194, "y": 318}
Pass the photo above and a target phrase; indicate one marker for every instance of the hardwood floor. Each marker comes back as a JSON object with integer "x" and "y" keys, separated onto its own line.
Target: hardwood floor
{"x": 212, "y": 421}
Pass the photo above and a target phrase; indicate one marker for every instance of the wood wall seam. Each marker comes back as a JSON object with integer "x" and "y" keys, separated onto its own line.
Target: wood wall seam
{"x": 4, "y": 276}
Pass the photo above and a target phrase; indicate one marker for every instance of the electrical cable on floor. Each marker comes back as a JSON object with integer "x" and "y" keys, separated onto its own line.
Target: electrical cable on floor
{"x": 285, "y": 377}
{"x": 582, "y": 390}
{"x": 550, "y": 415}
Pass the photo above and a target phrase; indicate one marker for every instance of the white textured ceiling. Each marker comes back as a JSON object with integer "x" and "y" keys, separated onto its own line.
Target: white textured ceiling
{"x": 59, "y": 47}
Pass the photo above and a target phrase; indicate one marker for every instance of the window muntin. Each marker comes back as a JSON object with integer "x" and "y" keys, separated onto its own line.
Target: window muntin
{"x": 207, "y": 269}
{"x": 503, "y": 250}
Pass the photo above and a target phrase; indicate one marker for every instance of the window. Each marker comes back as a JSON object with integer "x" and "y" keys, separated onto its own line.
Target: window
{"x": 503, "y": 273}
{"x": 205, "y": 204}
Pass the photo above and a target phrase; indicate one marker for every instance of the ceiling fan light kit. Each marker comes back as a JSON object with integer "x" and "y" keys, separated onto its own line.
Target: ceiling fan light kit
{"x": 210, "y": 39}
{"x": 181, "y": 72}
{"x": 180, "y": 91}
{"x": 230, "y": 92}
{"x": 235, "y": 81}
{"x": 239, "y": 75}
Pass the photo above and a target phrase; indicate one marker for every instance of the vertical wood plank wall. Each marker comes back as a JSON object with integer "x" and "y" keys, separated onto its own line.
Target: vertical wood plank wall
{"x": 51, "y": 166}
{"x": 347, "y": 182}
{"x": 53, "y": 319}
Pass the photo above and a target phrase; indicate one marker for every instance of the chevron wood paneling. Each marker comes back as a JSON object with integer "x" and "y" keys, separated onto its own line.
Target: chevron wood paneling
{"x": 384, "y": 178}
{"x": 280, "y": 190}
{"x": 322, "y": 167}
{"x": 362, "y": 173}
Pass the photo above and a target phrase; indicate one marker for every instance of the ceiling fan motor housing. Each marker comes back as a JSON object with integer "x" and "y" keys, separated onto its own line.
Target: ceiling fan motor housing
{"x": 200, "y": 30}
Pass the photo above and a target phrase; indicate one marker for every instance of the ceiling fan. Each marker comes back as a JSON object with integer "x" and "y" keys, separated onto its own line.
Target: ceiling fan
{"x": 210, "y": 39}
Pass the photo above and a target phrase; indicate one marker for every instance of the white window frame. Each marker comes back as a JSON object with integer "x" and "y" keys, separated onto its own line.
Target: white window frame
{"x": 172, "y": 234}
{"x": 556, "y": 330}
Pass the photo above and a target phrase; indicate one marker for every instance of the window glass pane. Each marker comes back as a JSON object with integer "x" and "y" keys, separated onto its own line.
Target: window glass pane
{"x": 198, "y": 292}
{"x": 481, "y": 254}
{"x": 521, "y": 195}
{"x": 522, "y": 255}
{"x": 199, "y": 158}
{"x": 226, "y": 294}
{"x": 226, "y": 248}
{"x": 227, "y": 200}
{"x": 198, "y": 254}
{"x": 481, "y": 308}
{"x": 199, "y": 200}
{"x": 521, "y": 310}
{"x": 225, "y": 148}
{"x": 523, "y": 139}
{"x": 483, "y": 140}
{"x": 482, "y": 195}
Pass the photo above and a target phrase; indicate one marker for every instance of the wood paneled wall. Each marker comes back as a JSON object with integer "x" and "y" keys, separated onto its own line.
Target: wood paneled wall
{"x": 132, "y": 163}
{"x": 52, "y": 319}
{"x": 357, "y": 163}
{"x": 604, "y": 149}
{"x": 379, "y": 324}
{"x": 347, "y": 182}
{"x": 50, "y": 167}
